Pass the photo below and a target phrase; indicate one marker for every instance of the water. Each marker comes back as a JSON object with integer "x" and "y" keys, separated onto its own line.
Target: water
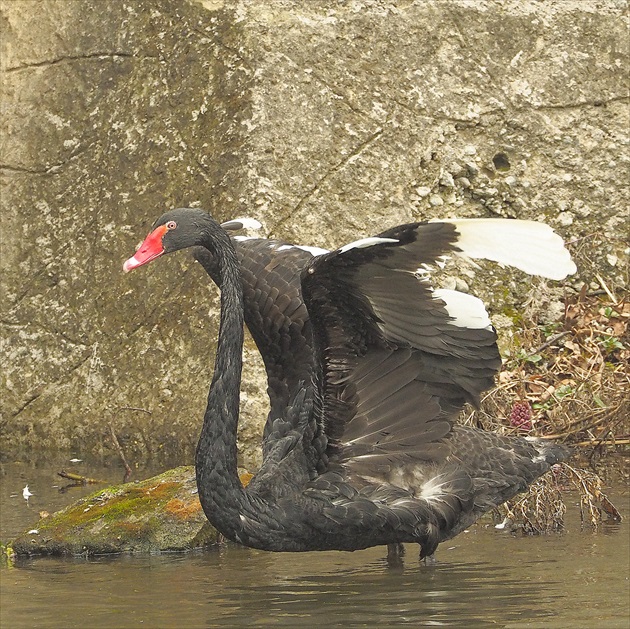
{"x": 483, "y": 578}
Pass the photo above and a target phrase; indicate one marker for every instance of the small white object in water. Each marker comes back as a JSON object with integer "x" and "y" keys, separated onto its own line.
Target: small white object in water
{"x": 506, "y": 522}
{"x": 26, "y": 493}
{"x": 76, "y": 460}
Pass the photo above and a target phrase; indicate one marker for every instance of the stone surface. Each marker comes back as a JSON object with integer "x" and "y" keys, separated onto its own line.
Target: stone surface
{"x": 325, "y": 120}
{"x": 155, "y": 515}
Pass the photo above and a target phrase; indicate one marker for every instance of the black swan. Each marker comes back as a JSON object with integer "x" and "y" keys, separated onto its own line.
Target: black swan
{"x": 367, "y": 451}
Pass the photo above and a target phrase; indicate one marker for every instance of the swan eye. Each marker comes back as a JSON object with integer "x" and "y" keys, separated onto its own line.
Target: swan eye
{"x": 171, "y": 225}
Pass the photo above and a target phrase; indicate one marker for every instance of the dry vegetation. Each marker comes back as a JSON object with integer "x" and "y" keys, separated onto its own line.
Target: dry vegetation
{"x": 568, "y": 381}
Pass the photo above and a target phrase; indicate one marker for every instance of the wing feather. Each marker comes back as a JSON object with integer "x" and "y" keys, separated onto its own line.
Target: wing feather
{"x": 399, "y": 360}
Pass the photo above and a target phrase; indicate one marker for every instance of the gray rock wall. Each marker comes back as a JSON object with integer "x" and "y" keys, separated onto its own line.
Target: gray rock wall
{"x": 325, "y": 120}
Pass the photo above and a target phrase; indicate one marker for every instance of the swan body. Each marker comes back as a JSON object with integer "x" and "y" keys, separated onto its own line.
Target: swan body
{"x": 361, "y": 446}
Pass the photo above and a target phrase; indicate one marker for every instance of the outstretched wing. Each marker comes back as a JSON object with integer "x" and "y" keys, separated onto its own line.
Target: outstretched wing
{"x": 398, "y": 358}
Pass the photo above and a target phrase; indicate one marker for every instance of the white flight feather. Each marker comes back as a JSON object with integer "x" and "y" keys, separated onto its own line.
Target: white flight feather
{"x": 314, "y": 251}
{"x": 467, "y": 311}
{"x": 529, "y": 246}
{"x": 365, "y": 242}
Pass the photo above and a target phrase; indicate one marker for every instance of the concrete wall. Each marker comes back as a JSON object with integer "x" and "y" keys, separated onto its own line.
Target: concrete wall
{"x": 325, "y": 120}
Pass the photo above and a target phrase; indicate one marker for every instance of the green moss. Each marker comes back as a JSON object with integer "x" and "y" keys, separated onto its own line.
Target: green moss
{"x": 513, "y": 314}
{"x": 6, "y": 555}
{"x": 159, "y": 513}
{"x": 134, "y": 501}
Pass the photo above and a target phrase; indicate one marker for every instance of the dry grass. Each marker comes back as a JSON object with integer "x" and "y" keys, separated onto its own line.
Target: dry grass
{"x": 542, "y": 508}
{"x": 570, "y": 382}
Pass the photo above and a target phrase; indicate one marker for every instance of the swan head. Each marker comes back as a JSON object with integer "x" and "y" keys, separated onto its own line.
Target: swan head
{"x": 174, "y": 230}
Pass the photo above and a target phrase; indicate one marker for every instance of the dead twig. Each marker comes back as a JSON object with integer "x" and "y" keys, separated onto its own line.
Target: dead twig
{"x": 550, "y": 341}
{"x": 600, "y": 279}
{"x": 116, "y": 443}
{"x": 78, "y": 479}
{"x": 597, "y": 442}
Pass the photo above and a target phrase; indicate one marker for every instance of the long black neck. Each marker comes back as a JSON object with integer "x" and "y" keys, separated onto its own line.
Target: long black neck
{"x": 220, "y": 491}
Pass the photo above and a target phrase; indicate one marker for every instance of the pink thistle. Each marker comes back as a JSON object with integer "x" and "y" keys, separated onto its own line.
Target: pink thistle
{"x": 521, "y": 416}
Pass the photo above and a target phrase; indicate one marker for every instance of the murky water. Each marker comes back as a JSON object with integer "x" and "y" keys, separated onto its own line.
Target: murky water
{"x": 483, "y": 578}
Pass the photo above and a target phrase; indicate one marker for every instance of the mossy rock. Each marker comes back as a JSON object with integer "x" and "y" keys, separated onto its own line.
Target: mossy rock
{"x": 162, "y": 513}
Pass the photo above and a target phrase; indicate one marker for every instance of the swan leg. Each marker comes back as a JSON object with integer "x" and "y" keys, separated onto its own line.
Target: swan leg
{"x": 429, "y": 560}
{"x": 395, "y": 554}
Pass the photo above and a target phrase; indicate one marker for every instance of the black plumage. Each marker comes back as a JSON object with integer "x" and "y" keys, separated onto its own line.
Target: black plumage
{"x": 368, "y": 367}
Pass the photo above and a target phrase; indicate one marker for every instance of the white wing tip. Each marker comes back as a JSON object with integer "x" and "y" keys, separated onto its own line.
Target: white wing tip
{"x": 243, "y": 238}
{"x": 314, "y": 251}
{"x": 530, "y": 246}
{"x": 365, "y": 242}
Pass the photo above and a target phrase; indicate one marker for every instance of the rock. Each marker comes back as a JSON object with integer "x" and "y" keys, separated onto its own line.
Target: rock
{"x": 159, "y": 514}
{"x": 423, "y": 191}
{"x": 447, "y": 180}
{"x": 565, "y": 219}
